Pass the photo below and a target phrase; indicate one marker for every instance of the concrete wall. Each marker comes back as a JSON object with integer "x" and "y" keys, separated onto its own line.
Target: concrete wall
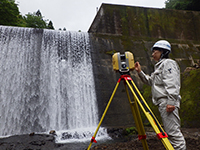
{"x": 118, "y": 28}
{"x": 147, "y": 22}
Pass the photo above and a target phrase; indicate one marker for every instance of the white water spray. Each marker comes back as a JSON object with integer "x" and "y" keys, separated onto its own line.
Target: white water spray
{"x": 46, "y": 81}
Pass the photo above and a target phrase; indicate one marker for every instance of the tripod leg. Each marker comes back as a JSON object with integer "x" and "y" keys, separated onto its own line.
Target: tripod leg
{"x": 154, "y": 122}
{"x": 138, "y": 120}
{"x": 105, "y": 111}
{"x": 150, "y": 116}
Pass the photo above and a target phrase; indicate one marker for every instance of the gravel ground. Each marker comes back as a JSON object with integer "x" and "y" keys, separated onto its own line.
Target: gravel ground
{"x": 192, "y": 136}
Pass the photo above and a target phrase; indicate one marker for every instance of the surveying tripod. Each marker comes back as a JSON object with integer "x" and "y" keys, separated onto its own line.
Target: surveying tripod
{"x": 137, "y": 101}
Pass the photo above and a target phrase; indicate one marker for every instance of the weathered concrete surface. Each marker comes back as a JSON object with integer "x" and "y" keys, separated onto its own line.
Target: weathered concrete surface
{"x": 118, "y": 28}
{"x": 147, "y": 22}
{"x": 119, "y": 113}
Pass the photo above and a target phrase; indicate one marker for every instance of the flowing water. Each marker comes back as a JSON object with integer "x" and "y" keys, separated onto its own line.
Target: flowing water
{"x": 47, "y": 83}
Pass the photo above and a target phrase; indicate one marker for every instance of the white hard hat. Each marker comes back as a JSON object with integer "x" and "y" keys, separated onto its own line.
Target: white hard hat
{"x": 162, "y": 44}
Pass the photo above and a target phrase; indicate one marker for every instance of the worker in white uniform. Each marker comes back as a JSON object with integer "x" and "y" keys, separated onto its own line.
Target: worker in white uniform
{"x": 165, "y": 83}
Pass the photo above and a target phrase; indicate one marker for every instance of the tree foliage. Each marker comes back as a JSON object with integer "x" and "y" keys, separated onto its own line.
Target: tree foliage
{"x": 10, "y": 16}
{"x": 9, "y": 13}
{"x": 50, "y": 25}
{"x": 35, "y": 20}
{"x": 183, "y": 4}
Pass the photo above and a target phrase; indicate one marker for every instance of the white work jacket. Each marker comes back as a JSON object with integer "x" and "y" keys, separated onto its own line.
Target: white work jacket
{"x": 165, "y": 82}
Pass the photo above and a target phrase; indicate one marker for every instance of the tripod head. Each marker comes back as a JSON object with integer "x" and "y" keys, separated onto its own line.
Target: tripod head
{"x": 123, "y": 62}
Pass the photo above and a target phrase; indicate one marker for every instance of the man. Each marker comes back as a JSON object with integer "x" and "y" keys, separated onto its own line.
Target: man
{"x": 165, "y": 82}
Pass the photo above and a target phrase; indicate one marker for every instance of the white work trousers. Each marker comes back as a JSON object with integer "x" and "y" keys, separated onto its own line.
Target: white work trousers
{"x": 171, "y": 122}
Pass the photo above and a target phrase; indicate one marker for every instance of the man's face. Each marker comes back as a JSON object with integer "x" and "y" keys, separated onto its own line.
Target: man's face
{"x": 156, "y": 54}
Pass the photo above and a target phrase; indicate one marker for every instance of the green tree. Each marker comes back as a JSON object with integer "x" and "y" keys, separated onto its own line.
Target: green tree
{"x": 10, "y": 16}
{"x": 50, "y": 25}
{"x": 9, "y": 13}
{"x": 35, "y": 20}
{"x": 38, "y": 13}
{"x": 183, "y": 4}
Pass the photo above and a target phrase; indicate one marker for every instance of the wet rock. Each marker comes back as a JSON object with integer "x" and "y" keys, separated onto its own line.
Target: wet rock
{"x": 66, "y": 135}
{"x": 53, "y": 132}
{"x": 115, "y": 132}
{"x": 28, "y": 141}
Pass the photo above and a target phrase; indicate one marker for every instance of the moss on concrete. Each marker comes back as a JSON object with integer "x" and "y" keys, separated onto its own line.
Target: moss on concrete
{"x": 190, "y": 104}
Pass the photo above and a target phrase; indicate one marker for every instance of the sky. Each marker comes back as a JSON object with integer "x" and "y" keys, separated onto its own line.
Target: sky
{"x": 75, "y": 15}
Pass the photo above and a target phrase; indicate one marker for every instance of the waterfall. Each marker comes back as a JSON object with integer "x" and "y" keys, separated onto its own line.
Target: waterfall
{"x": 46, "y": 81}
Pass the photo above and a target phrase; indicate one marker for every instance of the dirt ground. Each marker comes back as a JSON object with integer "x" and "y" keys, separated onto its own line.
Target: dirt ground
{"x": 192, "y": 137}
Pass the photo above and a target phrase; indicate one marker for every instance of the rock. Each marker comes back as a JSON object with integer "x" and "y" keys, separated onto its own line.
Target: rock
{"x": 30, "y": 141}
{"x": 188, "y": 69}
{"x": 115, "y": 132}
{"x": 53, "y": 132}
{"x": 32, "y": 134}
